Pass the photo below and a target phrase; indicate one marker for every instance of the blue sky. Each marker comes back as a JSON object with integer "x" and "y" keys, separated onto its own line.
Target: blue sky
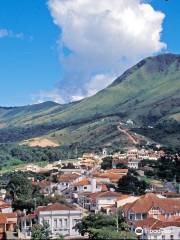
{"x": 30, "y": 52}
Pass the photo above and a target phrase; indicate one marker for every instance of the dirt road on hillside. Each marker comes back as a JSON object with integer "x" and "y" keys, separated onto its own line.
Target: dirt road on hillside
{"x": 130, "y": 136}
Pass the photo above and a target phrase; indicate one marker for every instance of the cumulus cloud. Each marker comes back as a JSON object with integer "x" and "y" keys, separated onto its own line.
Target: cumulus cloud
{"x": 9, "y": 33}
{"x": 104, "y": 37}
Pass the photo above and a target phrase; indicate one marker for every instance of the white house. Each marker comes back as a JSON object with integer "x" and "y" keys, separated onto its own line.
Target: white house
{"x": 60, "y": 218}
{"x": 88, "y": 185}
{"x": 106, "y": 199}
{"x": 134, "y": 164}
{"x": 66, "y": 180}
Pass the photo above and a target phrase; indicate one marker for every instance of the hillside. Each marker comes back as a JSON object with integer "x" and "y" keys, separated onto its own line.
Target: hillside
{"x": 148, "y": 93}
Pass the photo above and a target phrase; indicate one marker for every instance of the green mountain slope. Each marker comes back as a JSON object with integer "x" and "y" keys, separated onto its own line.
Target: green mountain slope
{"x": 148, "y": 93}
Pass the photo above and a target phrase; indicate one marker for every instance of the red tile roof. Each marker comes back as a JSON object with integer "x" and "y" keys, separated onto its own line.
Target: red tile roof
{"x": 5, "y": 217}
{"x": 68, "y": 177}
{"x": 10, "y": 215}
{"x": 109, "y": 194}
{"x": 5, "y": 205}
{"x": 113, "y": 174}
{"x": 152, "y": 223}
{"x": 55, "y": 207}
{"x": 94, "y": 196}
{"x": 82, "y": 182}
{"x": 149, "y": 200}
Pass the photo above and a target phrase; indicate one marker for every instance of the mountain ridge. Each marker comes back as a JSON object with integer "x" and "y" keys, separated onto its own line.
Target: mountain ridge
{"x": 148, "y": 94}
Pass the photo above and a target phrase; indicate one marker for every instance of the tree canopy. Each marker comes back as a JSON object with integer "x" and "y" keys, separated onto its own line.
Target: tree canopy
{"x": 131, "y": 184}
{"x": 101, "y": 226}
{"x": 40, "y": 232}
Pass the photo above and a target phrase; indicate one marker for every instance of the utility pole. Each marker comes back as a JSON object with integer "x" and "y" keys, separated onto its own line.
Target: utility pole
{"x": 35, "y": 204}
{"x": 117, "y": 221}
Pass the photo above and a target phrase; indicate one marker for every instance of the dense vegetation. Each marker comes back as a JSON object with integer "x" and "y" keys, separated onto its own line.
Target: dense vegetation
{"x": 12, "y": 154}
{"x": 131, "y": 184}
{"x": 107, "y": 164}
{"x": 40, "y": 232}
{"x": 100, "y": 226}
{"x": 166, "y": 168}
{"x": 166, "y": 132}
{"x": 23, "y": 193}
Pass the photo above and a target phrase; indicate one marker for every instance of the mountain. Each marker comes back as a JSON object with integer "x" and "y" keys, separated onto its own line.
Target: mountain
{"x": 148, "y": 94}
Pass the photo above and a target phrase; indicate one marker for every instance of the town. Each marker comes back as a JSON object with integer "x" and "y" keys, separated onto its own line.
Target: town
{"x": 124, "y": 195}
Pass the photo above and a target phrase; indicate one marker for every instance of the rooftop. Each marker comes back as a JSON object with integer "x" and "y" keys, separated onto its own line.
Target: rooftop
{"x": 149, "y": 200}
{"x": 55, "y": 207}
{"x": 155, "y": 224}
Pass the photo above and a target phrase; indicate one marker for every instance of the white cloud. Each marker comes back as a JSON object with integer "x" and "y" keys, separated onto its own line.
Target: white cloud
{"x": 44, "y": 96}
{"x": 3, "y": 33}
{"x": 9, "y": 33}
{"x": 96, "y": 82}
{"x": 105, "y": 37}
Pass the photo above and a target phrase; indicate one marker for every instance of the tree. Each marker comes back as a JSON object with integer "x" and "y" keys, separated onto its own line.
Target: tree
{"x": 121, "y": 166}
{"x": 40, "y": 232}
{"x": 107, "y": 163}
{"x": 131, "y": 184}
{"x": 108, "y": 233}
{"x": 20, "y": 187}
{"x": 24, "y": 194}
{"x": 94, "y": 223}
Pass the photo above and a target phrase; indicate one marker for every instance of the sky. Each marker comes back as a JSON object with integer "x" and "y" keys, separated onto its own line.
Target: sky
{"x": 65, "y": 50}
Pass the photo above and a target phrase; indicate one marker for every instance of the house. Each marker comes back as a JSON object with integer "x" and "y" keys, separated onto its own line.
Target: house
{"x": 152, "y": 228}
{"x": 106, "y": 200}
{"x": 66, "y": 180}
{"x": 88, "y": 200}
{"x": 46, "y": 187}
{"x": 99, "y": 201}
{"x": 5, "y": 207}
{"x": 151, "y": 206}
{"x": 133, "y": 164}
{"x": 60, "y": 218}
{"x": 8, "y": 223}
{"x": 88, "y": 185}
{"x": 125, "y": 199}
{"x": 2, "y": 193}
{"x": 88, "y": 160}
{"x": 111, "y": 175}
{"x": 133, "y": 154}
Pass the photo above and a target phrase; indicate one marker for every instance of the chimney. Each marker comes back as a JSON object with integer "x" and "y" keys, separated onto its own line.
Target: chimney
{"x": 93, "y": 185}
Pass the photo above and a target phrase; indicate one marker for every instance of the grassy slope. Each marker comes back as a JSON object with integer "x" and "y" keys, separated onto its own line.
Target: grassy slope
{"x": 96, "y": 133}
{"x": 147, "y": 93}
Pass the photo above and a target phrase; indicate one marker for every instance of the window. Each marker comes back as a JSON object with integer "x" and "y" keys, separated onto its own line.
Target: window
{"x": 55, "y": 223}
{"x": 60, "y": 223}
{"x": 65, "y": 223}
{"x": 85, "y": 188}
{"x": 131, "y": 216}
{"x": 138, "y": 216}
{"x": 172, "y": 237}
{"x": 163, "y": 237}
{"x": 144, "y": 215}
